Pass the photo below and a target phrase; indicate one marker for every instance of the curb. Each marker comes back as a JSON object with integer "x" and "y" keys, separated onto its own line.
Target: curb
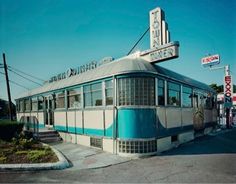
{"x": 61, "y": 164}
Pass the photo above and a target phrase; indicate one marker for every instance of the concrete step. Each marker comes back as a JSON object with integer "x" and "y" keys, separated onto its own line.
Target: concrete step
{"x": 49, "y": 136}
{"x": 51, "y": 139}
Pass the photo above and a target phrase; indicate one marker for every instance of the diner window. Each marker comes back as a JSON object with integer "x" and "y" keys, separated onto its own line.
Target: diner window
{"x": 21, "y": 105}
{"x": 34, "y": 104}
{"x": 60, "y": 100}
{"x": 161, "y": 92}
{"x": 74, "y": 98}
{"x": 40, "y": 103}
{"x": 27, "y": 104}
{"x": 187, "y": 96}
{"x": 109, "y": 92}
{"x": 93, "y": 95}
{"x": 173, "y": 94}
{"x": 136, "y": 91}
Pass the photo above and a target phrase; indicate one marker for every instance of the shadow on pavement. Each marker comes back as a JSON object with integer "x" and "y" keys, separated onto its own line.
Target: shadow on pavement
{"x": 221, "y": 143}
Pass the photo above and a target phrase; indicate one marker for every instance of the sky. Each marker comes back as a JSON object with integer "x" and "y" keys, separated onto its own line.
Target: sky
{"x": 46, "y": 37}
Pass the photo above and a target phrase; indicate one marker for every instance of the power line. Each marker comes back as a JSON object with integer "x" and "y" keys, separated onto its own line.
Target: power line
{"x": 138, "y": 41}
{"x": 18, "y": 84}
{"x": 15, "y": 82}
{"x": 29, "y": 75}
{"x": 24, "y": 77}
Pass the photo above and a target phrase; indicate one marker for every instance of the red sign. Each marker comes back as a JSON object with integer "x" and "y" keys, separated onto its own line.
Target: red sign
{"x": 211, "y": 60}
{"x": 228, "y": 91}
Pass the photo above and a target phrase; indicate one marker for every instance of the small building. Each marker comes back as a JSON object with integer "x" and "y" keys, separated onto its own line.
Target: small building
{"x": 128, "y": 106}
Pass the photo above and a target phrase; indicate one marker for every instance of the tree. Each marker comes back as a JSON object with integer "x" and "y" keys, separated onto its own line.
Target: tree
{"x": 217, "y": 89}
{"x": 220, "y": 88}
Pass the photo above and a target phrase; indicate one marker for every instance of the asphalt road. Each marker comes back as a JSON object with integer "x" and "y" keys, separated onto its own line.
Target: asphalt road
{"x": 208, "y": 159}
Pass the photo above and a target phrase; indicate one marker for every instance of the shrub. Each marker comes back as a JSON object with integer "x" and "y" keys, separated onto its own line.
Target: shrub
{"x": 9, "y": 129}
{"x": 36, "y": 155}
{"x": 3, "y": 159}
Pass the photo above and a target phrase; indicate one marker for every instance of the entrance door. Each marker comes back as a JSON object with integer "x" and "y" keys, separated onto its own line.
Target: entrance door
{"x": 49, "y": 114}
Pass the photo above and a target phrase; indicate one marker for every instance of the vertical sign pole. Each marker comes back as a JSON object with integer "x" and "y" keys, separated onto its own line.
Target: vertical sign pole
{"x": 8, "y": 87}
{"x": 227, "y": 109}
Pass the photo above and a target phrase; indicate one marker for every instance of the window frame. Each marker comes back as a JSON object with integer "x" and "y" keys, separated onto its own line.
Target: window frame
{"x": 190, "y": 96}
{"x": 175, "y": 91}
{"x": 136, "y": 91}
{"x": 59, "y": 97}
{"x": 77, "y": 93}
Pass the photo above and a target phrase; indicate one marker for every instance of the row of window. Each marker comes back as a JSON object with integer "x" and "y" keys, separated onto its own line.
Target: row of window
{"x": 92, "y": 93}
{"x": 139, "y": 91}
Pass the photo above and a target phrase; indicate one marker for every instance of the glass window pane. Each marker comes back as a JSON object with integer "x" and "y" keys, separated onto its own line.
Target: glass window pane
{"x": 34, "y": 103}
{"x": 74, "y": 98}
{"x": 97, "y": 86}
{"x": 173, "y": 94}
{"x": 187, "y": 96}
{"x": 40, "y": 103}
{"x": 87, "y": 100}
{"x": 97, "y": 98}
{"x": 109, "y": 96}
{"x": 187, "y": 100}
{"x": 60, "y": 100}
{"x": 21, "y": 105}
{"x": 109, "y": 92}
{"x": 27, "y": 104}
{"x": 136, "y": 91}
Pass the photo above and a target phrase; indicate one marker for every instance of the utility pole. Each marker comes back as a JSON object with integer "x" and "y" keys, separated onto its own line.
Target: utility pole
{"x": 8, "y": 87}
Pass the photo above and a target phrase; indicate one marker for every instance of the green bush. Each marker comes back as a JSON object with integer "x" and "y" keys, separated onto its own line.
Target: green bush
{"x": 10, "y": 129}
{"x": 3, "y": 159}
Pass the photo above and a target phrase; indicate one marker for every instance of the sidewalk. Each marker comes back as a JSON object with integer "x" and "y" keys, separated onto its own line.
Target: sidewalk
{"x": 82, "y": 157}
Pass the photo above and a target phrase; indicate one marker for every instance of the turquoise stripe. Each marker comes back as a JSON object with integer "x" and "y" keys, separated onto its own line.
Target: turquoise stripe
{"x": 87, "y": 131}
{"x": 41, "y": 125}
{"x": 91, "y": 131}
{"x": 60, "y": 128}
{"x": 79, "y": 130}
{"x": 109, "y": 131}
{"x": 71, "y": 129}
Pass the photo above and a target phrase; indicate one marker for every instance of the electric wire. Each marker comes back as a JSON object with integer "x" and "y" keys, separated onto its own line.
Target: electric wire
{"x": 138, "y": 41}
{"x": 15, "y": 82}
{"x": 19, "y": 84}
{"x": 29, "y": 75}
{"x": 24, "y": 77}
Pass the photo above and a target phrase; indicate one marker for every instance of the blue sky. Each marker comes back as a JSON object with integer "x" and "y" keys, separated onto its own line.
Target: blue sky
{"x": 46, "y": 37}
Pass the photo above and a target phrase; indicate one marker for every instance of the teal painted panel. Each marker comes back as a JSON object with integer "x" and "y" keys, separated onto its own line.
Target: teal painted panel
{"x": 137, "y": 123}
{"x": 96, "y": 132}
{"x": 109, "y": 131}
{"x": 79, "y": 130}
{"x": 41, "y": 125}
{"x": 60, "y": 128}
{"x": 71, "y": 129}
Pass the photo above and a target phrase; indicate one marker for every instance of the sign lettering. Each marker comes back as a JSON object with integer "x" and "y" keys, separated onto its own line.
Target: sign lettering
{"x": 211, "y": 60}
{"x": 155, "y": 27}
{"x": 74, "y": 71}
{"x": 228, "y": 91}
{"x": 169, "y": 51}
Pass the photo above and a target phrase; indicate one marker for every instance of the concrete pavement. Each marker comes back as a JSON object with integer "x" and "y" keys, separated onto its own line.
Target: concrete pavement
{"x": 208, "y": 159}
{"x": 82, "y": 157}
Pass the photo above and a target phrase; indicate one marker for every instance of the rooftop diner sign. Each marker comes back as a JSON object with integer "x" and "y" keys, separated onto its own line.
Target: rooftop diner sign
{"x": 161, "y": 49}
